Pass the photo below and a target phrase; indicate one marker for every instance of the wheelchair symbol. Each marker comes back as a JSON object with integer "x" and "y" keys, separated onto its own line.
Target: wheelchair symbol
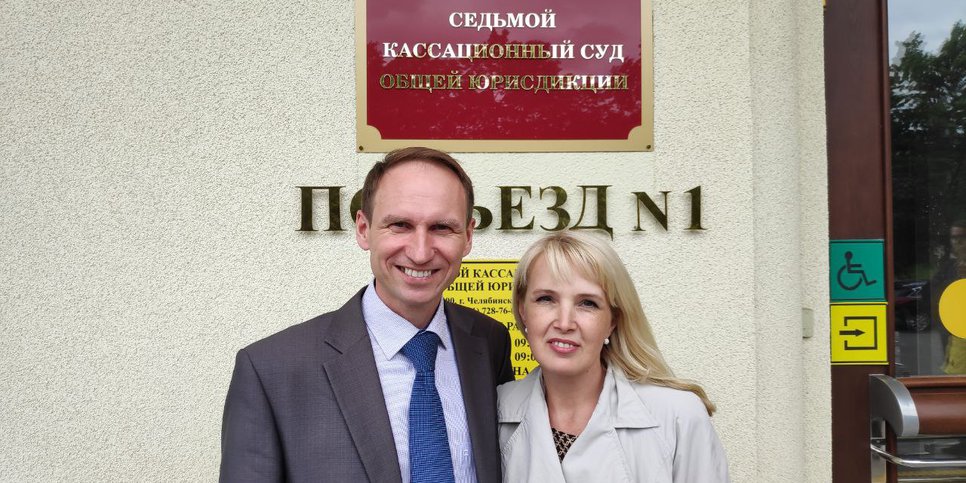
{"x": 850, "y": 269}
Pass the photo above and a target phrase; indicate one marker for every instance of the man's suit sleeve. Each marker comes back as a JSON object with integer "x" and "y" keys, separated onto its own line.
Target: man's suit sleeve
{"x": 504, "y": 370}
{"x": 250, "y": 448}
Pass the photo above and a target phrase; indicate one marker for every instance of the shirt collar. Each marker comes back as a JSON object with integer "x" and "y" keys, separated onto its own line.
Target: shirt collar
{"x": 390, "y": 330}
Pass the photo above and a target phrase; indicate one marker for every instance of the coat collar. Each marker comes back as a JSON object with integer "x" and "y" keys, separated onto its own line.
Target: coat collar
{"x": 529, "y": 452}
{"x": 525, "y": 397}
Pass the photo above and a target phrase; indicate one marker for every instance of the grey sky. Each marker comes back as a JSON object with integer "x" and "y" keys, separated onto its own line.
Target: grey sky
{"x": 932, "y": 18}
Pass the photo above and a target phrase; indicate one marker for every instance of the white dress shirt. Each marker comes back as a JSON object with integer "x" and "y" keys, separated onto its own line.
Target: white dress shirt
{"x": 388, "y": 333}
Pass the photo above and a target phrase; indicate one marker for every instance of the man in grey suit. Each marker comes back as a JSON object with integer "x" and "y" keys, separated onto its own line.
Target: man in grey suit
{"x": 329, "y": 399}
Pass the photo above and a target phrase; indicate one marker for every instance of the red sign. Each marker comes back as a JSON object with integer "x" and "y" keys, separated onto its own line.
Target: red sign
{"x": 465, "y": 76}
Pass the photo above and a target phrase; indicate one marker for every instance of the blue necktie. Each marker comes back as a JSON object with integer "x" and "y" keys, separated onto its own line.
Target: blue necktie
{"x": 429, "y": 456}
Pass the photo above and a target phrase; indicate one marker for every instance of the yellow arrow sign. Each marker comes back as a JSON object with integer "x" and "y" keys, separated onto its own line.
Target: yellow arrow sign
{"x": 859, "y": 334}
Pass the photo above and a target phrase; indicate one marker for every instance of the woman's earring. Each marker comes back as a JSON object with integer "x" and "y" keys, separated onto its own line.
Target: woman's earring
{"x": 606, "y": 340}
{"x": 524, "y": 330}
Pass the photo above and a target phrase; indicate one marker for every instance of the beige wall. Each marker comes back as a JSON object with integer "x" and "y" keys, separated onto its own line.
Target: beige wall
{"x": 148, "y": 210}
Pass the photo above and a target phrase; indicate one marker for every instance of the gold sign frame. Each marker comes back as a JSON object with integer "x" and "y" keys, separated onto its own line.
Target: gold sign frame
{"x": 640, "y": 138}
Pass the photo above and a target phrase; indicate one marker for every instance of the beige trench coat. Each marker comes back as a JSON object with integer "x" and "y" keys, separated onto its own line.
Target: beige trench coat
{"x": 637, "y": 433}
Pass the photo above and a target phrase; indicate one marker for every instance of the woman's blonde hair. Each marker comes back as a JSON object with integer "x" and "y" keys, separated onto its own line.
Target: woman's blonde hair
{"x": 632, "y": 346}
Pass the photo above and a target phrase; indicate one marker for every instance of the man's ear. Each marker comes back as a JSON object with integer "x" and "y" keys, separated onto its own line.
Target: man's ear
{"x": 469, "y": 236}
{"x": 362, "y": 230}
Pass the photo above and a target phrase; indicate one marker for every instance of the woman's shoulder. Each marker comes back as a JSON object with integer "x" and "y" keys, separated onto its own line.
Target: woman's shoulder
{"x": 666, "y": 402}
{"x": 513, "y": 396}
{"x": 515, "y": 389}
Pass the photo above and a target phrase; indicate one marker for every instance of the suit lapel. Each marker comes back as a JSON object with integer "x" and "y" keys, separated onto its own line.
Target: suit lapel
{"x": 354, "y": 379}
{"x": 478, "y": 394}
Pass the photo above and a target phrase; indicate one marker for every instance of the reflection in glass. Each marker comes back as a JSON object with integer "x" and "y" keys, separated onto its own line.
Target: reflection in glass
{"x": 928, "y": 108}
{"x": 951, "y": 449}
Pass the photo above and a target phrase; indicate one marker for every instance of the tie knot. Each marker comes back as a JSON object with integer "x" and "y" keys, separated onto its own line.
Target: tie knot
{"x": 421, "y": 350}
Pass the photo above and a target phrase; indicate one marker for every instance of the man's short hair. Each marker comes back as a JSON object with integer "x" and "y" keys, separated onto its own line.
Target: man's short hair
{"x": 403, "y": 155}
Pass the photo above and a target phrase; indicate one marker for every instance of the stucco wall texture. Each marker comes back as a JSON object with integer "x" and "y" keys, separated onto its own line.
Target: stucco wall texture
{"x": 150, "y": 154}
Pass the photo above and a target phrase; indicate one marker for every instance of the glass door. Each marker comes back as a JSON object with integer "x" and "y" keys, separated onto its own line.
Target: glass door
{"x": 927, "y": 77}
{"x": 896, "y": 143}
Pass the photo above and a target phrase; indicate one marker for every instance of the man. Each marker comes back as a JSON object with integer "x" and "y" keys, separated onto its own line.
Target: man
{"x": 345, "y": 396}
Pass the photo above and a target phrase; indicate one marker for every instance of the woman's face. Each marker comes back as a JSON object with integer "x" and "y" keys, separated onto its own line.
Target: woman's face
{"x": 566, "y": 321}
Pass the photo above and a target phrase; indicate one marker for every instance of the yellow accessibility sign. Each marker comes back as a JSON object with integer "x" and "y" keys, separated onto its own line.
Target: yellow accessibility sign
{"x": 859, "y": 334}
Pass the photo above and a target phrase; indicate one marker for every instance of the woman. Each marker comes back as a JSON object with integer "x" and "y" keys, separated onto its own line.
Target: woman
{"x": 603, "y": 405}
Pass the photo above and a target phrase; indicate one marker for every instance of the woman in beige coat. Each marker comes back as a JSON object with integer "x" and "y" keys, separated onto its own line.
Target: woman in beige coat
{"x": 603, "y": 406}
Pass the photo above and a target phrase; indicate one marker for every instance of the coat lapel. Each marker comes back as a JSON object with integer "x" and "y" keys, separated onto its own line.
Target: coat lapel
{"x": 530, "y": 453}
{"x": 597, "y": 455}
{"x": 478, "y": 395}
{"x": 354, "y": 379}
{"x": 598, "y": 451}
{"x": 629, "y": 410}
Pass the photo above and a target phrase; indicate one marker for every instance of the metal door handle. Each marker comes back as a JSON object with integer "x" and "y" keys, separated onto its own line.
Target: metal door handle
{"x": 916, "y": 463}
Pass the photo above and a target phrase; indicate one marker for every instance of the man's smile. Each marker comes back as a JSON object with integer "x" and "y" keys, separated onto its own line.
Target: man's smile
{"x": 416, "y": 273}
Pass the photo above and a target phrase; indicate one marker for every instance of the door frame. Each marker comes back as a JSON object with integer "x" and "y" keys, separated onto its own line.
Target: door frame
{"x": 859, "y": 197}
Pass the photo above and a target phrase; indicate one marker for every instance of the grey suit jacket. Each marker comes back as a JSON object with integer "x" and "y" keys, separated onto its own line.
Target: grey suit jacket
{"x": 306, "y": 404}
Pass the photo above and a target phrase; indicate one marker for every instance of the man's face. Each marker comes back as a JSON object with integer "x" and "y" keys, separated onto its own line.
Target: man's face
{"x": 417, "y": 237}
{"x": 957, "y": 241}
